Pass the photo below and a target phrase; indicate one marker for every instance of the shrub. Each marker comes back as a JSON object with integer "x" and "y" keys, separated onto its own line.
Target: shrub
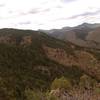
{"x": 61, "y": 83}
{"x": 87, "y": 82}
{"x": 33, "y": 95}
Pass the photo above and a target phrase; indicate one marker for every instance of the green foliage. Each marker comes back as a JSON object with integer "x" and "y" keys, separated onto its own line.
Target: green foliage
{"x": 97, "y": 90}
{"x": 87, "y": 82}
{"x": 52, "y": 97}
{"x": 61, "y": 83}
{"x": 33, "y": 95}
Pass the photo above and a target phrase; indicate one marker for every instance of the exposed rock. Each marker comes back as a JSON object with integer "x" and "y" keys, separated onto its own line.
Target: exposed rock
{"x": 60, "y": 56}
{"x": 7, "y": 40}
{"x": 83, "y": 59}
{"x": 26, "y": 40}
{"x": 75, "y": 95}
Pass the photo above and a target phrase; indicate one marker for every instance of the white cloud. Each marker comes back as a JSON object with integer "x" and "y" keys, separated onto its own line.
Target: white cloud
{"x": 47, "y": 14}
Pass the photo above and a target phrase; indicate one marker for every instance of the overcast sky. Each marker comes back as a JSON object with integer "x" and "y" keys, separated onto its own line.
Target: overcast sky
{"x": 47, "y": 14}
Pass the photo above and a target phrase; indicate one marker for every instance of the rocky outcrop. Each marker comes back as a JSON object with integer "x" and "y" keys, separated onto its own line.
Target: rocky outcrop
{"x": 59, "y": 55}
{"x": 7, "y": 40}
{"x": 26, "y": 40}
{"x": 76, "y": 94}
{"x": 85, "y": 60}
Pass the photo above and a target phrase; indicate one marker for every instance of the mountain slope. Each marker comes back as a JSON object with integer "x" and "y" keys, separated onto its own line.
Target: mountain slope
{"x": 80, "y": 35}
{"x": 94, "y": 35}
{"x": 32, "y": 59}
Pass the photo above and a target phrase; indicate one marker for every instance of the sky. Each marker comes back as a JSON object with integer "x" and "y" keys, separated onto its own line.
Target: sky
{"x": 47, "y": 14}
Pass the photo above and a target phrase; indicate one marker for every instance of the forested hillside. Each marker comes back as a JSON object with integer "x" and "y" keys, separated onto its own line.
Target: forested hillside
{"x": 32, "y": 64}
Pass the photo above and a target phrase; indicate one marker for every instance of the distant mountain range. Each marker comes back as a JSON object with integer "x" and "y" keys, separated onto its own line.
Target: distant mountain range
{"x": 86, "y": 35}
